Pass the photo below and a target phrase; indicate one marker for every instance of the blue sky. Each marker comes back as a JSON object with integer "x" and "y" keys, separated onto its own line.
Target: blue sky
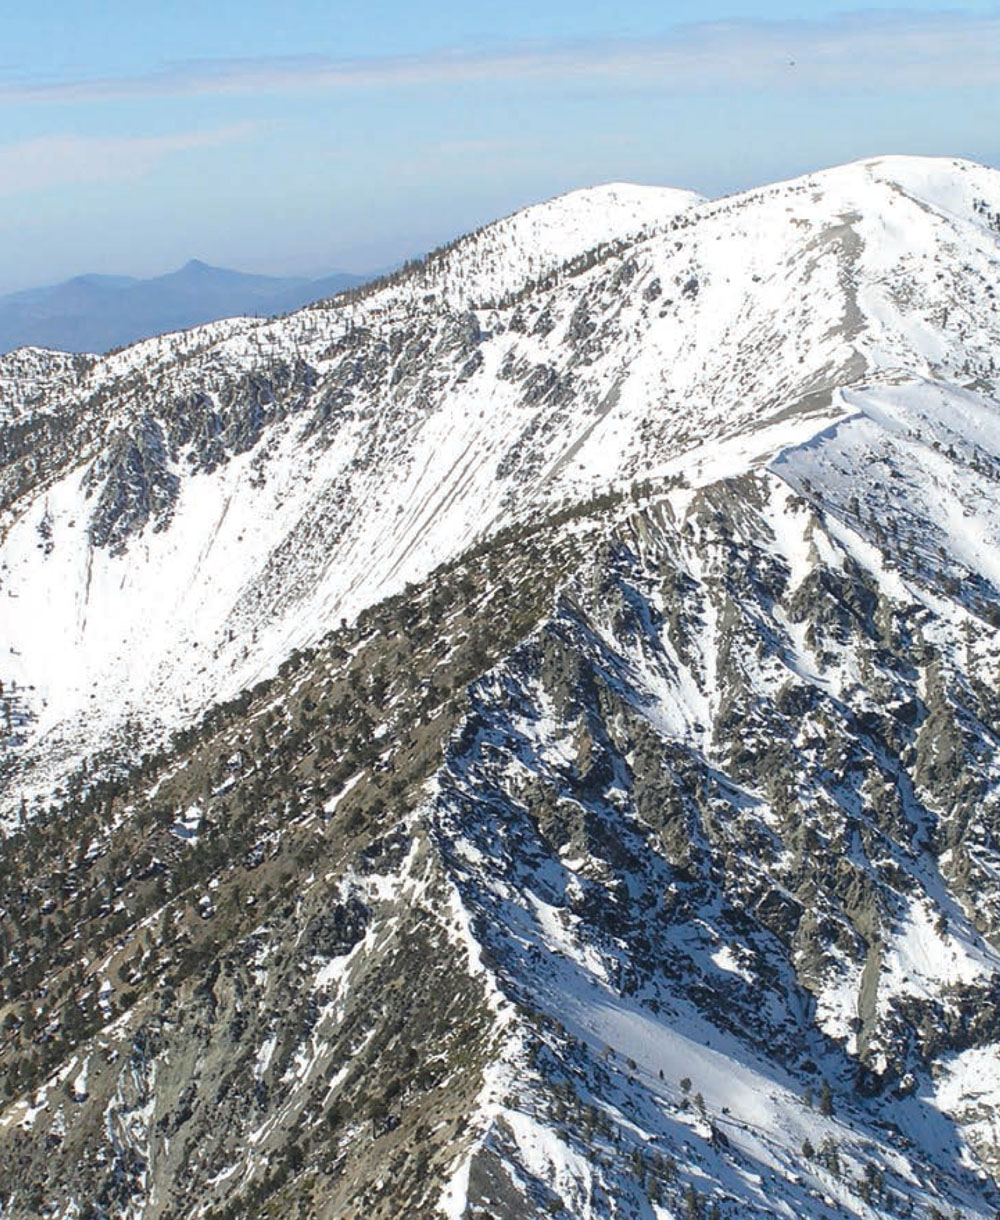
{"x": 307, "y": 136}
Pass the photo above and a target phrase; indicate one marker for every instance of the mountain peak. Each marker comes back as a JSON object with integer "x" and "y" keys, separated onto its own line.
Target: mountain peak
{"x": 612, "y": 332}
{"x": 530, "y": 725}
{"x": 948, "y": 183}
{"x": 196, "y": 264}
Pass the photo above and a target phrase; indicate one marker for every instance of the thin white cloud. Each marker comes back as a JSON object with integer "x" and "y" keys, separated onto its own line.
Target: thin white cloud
{"x": 885, "y": 50}
{"x": 65, "y": 160}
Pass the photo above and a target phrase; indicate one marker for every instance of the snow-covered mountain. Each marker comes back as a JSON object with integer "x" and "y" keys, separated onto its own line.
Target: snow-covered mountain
{"x": 259, "y": 443}
{"x": 199, "y": 506}
{"x": 579, "y": 652}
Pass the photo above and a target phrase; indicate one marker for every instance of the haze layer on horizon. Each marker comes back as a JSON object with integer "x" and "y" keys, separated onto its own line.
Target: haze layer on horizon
{"x": 353, "y": 136}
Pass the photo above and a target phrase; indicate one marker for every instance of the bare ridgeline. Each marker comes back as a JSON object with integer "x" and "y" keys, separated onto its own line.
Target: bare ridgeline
{"x": 520, "y": 739}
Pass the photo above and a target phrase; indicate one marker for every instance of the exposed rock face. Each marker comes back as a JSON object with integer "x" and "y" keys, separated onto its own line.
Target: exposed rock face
{"x": 639, "y": 858}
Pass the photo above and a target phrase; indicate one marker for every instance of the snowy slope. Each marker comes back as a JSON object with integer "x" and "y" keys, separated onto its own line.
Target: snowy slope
{"x": 723, "y": 861}
{"x": 266, "y": 479}
{"x": 640, "y": 859}
{"x": 32, "y": 377}
{"x": 642, "y": 862}
{"x": 503, "y": 257}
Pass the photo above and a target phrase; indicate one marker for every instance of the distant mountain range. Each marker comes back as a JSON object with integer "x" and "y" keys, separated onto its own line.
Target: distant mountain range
{"x": 95, "y": 313}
